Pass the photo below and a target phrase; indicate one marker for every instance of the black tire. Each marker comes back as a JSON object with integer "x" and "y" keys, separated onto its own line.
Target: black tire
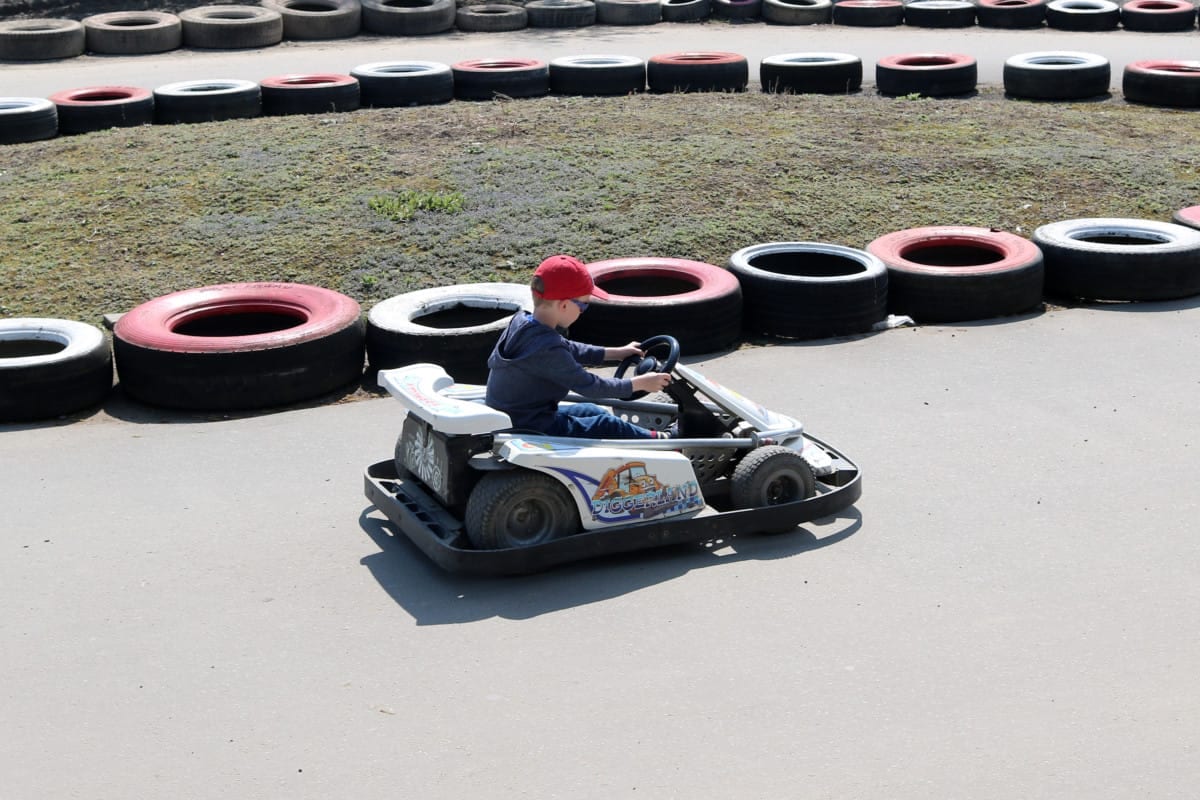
{"x": 231, "y": 27}
{"x": 1189, "y": 216}
{"x": 926, "y": 74}
{"x": 737, "y": 10}
{"x": 387, "y": 84}
{"x": 206, "y": 101}
{"x": 1010, "y": 14}
{"x": 1158, "y": 16}
{"x": 519, "y": 508}
{"x": 560, "y": 13}
{"x": 41, "y": 39}
{"x": 809, "y": 290}
{"x": 868, "y": 13}
{"x": 489, "y": 78}
{"x": 454, "y": 326}
{"x": 493, "y": 18}
{"x": 1105, "y": 258}
{"x": 702, "y": 71}
{"x": 771, "y": 476}
{"x": 1083, "y": 15}
{"x": 797, "y": 12}
{"x": 939, "y": 14}
{"x": 133, "y": 32}
{"x": 1057, "y": 75}
{"x": 1162, "y": 83}
{"x": 51, "y": 367}
{"x": 948, "y": 273}
{"x": 408, "y": 17}
{"x": 592, "y": 76}
{"x": 318, "y": 20}
{"x": 102, "y": 107}
{"x": 628, "y": 12}
{"x": 239, "y": 346}
{"x": 686, "y": 10}
{"x": 27, "y": 119}
{"x": 309, "y": 94}
{"x": 811, "y": 73}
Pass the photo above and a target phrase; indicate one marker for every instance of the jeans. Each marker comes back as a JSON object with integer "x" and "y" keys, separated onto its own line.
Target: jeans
{"x": 590, "y": 421}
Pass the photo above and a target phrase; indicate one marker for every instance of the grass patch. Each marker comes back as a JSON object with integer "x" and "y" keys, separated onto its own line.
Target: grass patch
{"x": 402, "y": 206}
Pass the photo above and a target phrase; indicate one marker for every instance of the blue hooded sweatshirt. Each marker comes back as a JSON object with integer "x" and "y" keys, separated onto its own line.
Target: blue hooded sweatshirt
{"x": 533, "y": 366}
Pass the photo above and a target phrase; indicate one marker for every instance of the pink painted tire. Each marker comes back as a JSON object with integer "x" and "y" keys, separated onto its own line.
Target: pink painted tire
{"x": 310, "y": 93}
{"x": 699, "y": 304}
{"x": 1189, "y": 216}
{"x": 239, "y": 346}
{"x": 868, "y": 13}
{"x": 1011, "y": 14}
{"x": 697, "y": 71}
{"x": 1162, "y": 83}
{"x": 97, "y": 108}
{"x": 958, "y": 273}
{"x": 926, "y": 74}
{"x": 488, "y": 78}
{"x": 1158, "y": 16}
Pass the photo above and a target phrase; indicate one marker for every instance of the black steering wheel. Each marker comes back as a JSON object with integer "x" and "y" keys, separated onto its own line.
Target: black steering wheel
{"x": 647, "y": 362}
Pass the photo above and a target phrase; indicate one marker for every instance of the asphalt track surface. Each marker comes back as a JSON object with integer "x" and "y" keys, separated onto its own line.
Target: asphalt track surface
{"x": 206, "y": 608}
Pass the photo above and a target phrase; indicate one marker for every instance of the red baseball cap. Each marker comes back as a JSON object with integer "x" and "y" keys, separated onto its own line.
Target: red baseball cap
{"x": 563, "y": 277}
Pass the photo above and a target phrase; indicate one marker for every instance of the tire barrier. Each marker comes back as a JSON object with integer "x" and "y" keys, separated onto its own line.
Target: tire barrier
{"x": 491, "y": 18}
{"x": 487, "y": 78}
{"x": 926, "y": 74}
{"x": 955, "y": 274}
{"x": 939, "y": 13}
{"x": 702, "y": 71}
{"x": 628, "y": 12}
{"x": 811, "y": 73}
{"x": 1162, "y": 83}
{"x": 231, "y": 27}
{"x": 868, "y": 13}
{"x": 455, "y": 326}
{"x": 206, "y": 101}
{"x": 239, "y": 346}
{"x": 1105, "y": 258}
{"x": 51, "y": 367}
{"x": 386, "y": 84}
{"x": 737, "y": 10}
{"x": 27, "y": 119}
{"x": 314, "y": 20}
{"x": 309, "y": 94}
{"x": 1010, "y": 14}
{"x": 408, "y": 17}
{"x": 1189, "y": 216}
{"x": 699, "y": 304}
{"x": 98, "y": 108}
{"x": 560, "y": 13}
{"x": 1158, "y": 16}
{"x": 809, "y": 290}
{"x": 1083, "y": 15}
{"x": 1057, "y": 75}
{"x": 686, "y": 10}
{"x": 592, "y": 76}
{"x": 797, "y": 12}
{"x": 133, "y": 32}
{"x": 41, "y": 39}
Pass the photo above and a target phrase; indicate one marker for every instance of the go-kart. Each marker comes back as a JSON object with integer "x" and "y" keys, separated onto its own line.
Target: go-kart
{"x": 477, "y": 496}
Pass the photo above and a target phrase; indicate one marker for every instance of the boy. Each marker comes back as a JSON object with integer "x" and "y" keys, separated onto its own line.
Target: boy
{"x": 533, "y": 366}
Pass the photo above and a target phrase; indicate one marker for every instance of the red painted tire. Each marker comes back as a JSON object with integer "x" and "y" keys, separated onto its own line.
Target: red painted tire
{"x": 700, "y": 71}
{"x": 1162, "y": 83}
{"x": 957, "y": 273}
{"x": 926, "y": 74}
{"x": 98, "y": 108}
{"x": 309, "y": 94}
{"x": 1158, "y": 16}
{"x": 699, "y": 304}
{"x": 868, "y": 13}
{"x": 239, "y": 346}
{"x": 1189, "y": 216}
{"x": 1010, "y": 13}
{"x": 486, "y": 78}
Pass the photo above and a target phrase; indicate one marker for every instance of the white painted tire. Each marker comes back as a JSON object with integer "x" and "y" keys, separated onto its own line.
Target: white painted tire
{"x": 50, "y": 367}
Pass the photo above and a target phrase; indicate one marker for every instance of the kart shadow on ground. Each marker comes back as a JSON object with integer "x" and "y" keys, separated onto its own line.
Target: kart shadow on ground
{"x": 434, "y": 597}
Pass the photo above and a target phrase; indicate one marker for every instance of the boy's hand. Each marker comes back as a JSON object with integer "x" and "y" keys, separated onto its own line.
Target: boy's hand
{"x": 651, "y": 382}
{"x": 622, "y": 353}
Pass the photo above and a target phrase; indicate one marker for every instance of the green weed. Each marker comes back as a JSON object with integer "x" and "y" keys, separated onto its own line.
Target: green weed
{"x": 401, "y": 207}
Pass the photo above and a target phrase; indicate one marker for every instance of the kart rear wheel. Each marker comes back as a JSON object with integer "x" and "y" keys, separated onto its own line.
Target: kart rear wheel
{"x": 771, "y": 476}
{"x": 518, "y": 508}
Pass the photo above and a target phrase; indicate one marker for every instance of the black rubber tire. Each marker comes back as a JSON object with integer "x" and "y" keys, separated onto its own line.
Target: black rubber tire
{"x": 926, "y": 74}
{"x": 737, "y": 10}
{"x": 318, "y": 20}
{"x": 560, "y": 13}
{"x": 797, "y": 12}
{"x": 1083, "y": 15}
{"x": 1158, "y": 16}
{"x": 231, "y": 27}
{"x": 1010, "y": 14}
{"x": 133, "y": 32}
{"x": 1057, "y": 75}
{"x": 699, "y": 304}
{"x": 487, "y": 79}
{"x": 102, "y": 107}
{"x": 702, "y": 71}
{"x": 309, "y": 94}
{"x": 51, "y": 367}
{"x": 387, "y": 84}
{"x": 1162, "y": 83}
{"x": 454, "y": 326}
{"x": 1189, "y": 217}
{"x": 206, "y": 101}
{"x": 955, "y": 273}
{"x": 811, "y": 73}
{"x": 41, "y": 39}
{"x": 27, "y": 119}
{"x": 491, "y": 18}
{"x": 1106, "y": 258}
{"x": 868, "y": 13}
{"x": 628, "y": 12}
{"x": 239, "y": 346}
{"x": 518, "y": 508}
{"x": 594, "y": 76}
{"x": 769, "y": 476}
{"x": 408, "y": 17}
{"x": 939, "y": 14}
{"x": 809, "y": 290}
{"x": 686, "y": 10}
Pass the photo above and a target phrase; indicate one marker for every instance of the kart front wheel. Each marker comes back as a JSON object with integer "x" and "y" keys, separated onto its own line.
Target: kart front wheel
{"x": 770, "y": 476}
{"x": 518, "y": 508}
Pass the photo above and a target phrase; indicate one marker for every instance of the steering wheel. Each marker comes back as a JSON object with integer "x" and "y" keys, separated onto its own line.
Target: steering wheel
{"x": 648, "y": 363}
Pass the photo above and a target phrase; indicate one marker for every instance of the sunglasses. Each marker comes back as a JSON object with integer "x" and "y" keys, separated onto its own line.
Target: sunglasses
{"x": 582, "y": 306}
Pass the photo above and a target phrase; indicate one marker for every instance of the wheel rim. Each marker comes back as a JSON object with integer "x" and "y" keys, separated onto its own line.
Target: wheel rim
{"x": 528, "y": 522}
{"x": 784, "y": 488}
